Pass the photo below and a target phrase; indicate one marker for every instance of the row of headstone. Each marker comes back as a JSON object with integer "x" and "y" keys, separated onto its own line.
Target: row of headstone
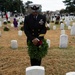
{"x": 19, "y": 33}
{"x": 63, "y": 42}
{"x": 14, "y": 44}
{"x": 61, "y": 26}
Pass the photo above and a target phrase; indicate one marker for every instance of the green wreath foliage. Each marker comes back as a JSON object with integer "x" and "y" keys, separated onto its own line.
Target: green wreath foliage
{"x": 37, "y": 52}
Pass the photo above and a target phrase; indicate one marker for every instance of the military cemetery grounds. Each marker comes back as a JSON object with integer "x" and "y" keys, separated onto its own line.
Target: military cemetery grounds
{"x": 58, "y": 61}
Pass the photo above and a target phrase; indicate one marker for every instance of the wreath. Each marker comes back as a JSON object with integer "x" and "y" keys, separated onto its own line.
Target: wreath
{"x": 6, "y": 29}
{"x": 38, "y": 51}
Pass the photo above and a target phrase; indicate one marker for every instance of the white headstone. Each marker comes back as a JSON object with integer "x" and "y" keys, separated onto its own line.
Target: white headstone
{"x": 73, "y": 29}
{"x": 5, "y": 20}
{"x": 69, "y": 27}
{"x": 62, "y": 26}
{"x": 54, "y": 27}
{"x": 70, "y": 73}
{"x": 62, "y": 31}
{"x": 14, "y": 44}
{"x": 18, "y": 24}
{"x": 35, "y": 70}
{"x": 0, "y": 24}
{"x": 48, "y": 25}
{"x": 12, "y": 25}
{"x": 20, "y": 33}
{"x": 9, "y": 20}
{"x": 23, "y": 19}
{"x": 0, "y": 34}
{"x": 48, "y": 41}
{"x": 8, "y": 14}
{"x": 61, "y": 20}
{"x": 63, "y": 41}
{"x": 67, "y": 22}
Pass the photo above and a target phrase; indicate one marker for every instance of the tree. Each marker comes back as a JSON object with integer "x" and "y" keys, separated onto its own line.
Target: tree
{"x": 11, "y": 5}
{"x": 27, "y": 5}
{"x": 70, "y": 5}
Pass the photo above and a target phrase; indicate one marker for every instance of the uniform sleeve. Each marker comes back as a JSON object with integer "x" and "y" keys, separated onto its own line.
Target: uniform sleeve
{"x": 26, "y": 29}
{"x": 43, "y": 30}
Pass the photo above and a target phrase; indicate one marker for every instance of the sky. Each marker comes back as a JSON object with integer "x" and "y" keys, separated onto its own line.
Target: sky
{"x": 51, "y": 5}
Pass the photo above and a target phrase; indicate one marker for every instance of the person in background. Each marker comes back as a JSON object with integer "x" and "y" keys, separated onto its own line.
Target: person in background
{"x": 48, "y": 17}
{"x": 6, "y": 16}
{"x": 15, "y": 23}
{"x": 34, "y": 28}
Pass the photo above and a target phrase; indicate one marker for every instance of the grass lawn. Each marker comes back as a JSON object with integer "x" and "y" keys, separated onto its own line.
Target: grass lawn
{"x": 56, "y": 62}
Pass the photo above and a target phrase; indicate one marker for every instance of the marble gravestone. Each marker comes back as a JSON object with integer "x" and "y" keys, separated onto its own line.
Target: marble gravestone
{"x": 35, "y": 70}
{"x": 5, "y": 21}
{"x": 61, "y": 26}
{"x": 54, "y": 27}
{"x": 8, "y": 20}
{"x": 62, "y": 31}
{"x": 48, "y": 41}
{"x": 67, "y": 22}
{"x": 20, "y": 33}
{"x": 12, "y": 25}
{"x": 70, "y": 73}
{"x": 8, "y": 14}
{"x": 63, "y": 41}
{"x": 18, "y": 24}
{"x": 69, "y": 27}
{"x": 23, "y": 19}
{"x": 14, "y": 44}
{"x": 72, "y": 32}
{"x": 61, "y": 21}
{"x": 48, "y": 25}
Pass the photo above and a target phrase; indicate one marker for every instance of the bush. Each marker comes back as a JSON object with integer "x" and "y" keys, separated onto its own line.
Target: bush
{"x": 9, "y": 22}
{"x": 6, "y": 29}
{"x": 22, "y": 28}
{"x": 5, "y": 23}
{"x": 21, "y": 23}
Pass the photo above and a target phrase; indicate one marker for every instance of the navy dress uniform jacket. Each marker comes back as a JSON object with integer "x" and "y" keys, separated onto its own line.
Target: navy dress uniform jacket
{"x": 34, "y": 27}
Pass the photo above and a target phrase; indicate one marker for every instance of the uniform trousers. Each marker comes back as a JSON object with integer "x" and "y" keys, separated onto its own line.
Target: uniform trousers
{"x": 35, "y": 62}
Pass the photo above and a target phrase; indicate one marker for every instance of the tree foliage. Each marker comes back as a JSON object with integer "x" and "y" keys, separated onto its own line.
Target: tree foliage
{"x": 70, "y": 5}
{"x": 11, "y": 5}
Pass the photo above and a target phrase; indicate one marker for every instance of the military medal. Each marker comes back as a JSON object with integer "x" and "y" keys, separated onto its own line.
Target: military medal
{"x": 41, "y": 22}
